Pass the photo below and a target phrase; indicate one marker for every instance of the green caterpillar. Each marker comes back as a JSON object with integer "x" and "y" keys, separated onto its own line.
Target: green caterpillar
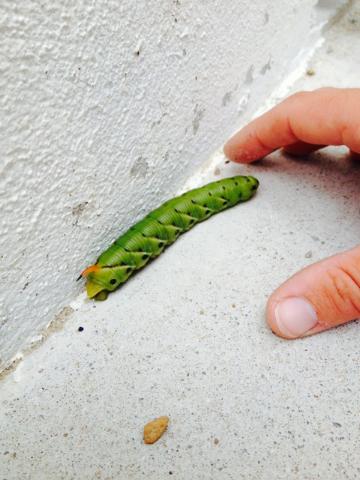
{"x": 147, "y": 239}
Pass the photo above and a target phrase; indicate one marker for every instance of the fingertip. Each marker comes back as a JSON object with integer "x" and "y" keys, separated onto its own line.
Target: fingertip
{"x": 243, "y": 148}
{"x": 229, "y": 151}
{"x": 236, "y": 151}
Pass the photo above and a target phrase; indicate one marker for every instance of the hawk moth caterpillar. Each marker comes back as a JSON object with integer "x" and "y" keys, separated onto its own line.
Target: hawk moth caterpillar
{"x": 160, "y": 228}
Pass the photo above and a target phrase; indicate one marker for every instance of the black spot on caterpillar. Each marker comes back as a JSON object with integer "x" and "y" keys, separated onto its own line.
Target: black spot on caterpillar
{"x": 160, "y": 228}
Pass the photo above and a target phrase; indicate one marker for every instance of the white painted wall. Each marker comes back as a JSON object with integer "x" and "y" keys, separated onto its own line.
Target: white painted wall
{"x": 106, "y": 108}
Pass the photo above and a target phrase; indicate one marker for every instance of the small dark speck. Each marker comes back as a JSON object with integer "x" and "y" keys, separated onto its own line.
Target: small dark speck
{"x": 26, "y": 285}
{"x": 78, "y": 209}
{"x": 308, "y": 254}
{"x": 227, "y": 161}
{"x": 199, "y": 113}
{"x": 310, "y": 72}
{"x": 216, "y": 441}
{"x": 336, "y": 424}
{"x": 137, "y": 53}
{"x": 249, "y": 77}
{"x": 265, "y": 67}
{"x": 226, "y": 99}
{"x": 170, "y": 473}
{"x": 80, "y": 329}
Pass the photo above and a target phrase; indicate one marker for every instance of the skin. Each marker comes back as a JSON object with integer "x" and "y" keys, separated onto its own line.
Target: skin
{"x": 301, "y": 124}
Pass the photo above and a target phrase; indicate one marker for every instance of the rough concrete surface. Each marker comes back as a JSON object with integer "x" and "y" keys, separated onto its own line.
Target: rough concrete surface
{"x": 186, "y": 338}
{"x": 106, "y": 108}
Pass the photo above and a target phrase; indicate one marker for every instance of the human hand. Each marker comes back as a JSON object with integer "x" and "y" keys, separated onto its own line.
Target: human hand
{"x": 327, "y": 293}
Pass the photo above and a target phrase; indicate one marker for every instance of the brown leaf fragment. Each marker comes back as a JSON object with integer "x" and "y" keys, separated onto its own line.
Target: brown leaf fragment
{"x": 155, "y": 429}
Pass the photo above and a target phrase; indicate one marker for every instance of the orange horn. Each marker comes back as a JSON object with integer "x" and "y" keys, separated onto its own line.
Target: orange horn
{"x": 92, "y": 268}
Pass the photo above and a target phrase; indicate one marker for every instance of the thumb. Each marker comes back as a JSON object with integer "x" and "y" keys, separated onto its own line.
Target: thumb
{"x": 318, "y": 297}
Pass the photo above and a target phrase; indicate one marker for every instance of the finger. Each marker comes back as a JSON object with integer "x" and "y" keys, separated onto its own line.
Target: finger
{"x": 301, "y": 148}
{"x": 328, "y": 116}
{"x": 317, "y": 298}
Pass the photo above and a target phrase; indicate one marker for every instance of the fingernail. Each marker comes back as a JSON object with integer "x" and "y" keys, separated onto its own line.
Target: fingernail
{"x": 295, "y": 316}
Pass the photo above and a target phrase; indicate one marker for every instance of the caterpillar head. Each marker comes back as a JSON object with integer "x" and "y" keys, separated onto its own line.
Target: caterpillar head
{"x": 102, "y": 280}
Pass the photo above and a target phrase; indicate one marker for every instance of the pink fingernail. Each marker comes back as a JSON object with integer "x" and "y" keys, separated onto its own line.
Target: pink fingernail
{"x": 295, "y": 316}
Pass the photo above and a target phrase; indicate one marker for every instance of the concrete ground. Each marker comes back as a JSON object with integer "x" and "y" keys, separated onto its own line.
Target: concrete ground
{"x": 186, "y": 338}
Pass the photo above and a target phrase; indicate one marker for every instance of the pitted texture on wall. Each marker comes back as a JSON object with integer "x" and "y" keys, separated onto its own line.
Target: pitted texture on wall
{"x": 106, "y": 108}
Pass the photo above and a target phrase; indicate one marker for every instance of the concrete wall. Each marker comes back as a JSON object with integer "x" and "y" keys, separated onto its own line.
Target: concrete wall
{"x": 106, "y": 108}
